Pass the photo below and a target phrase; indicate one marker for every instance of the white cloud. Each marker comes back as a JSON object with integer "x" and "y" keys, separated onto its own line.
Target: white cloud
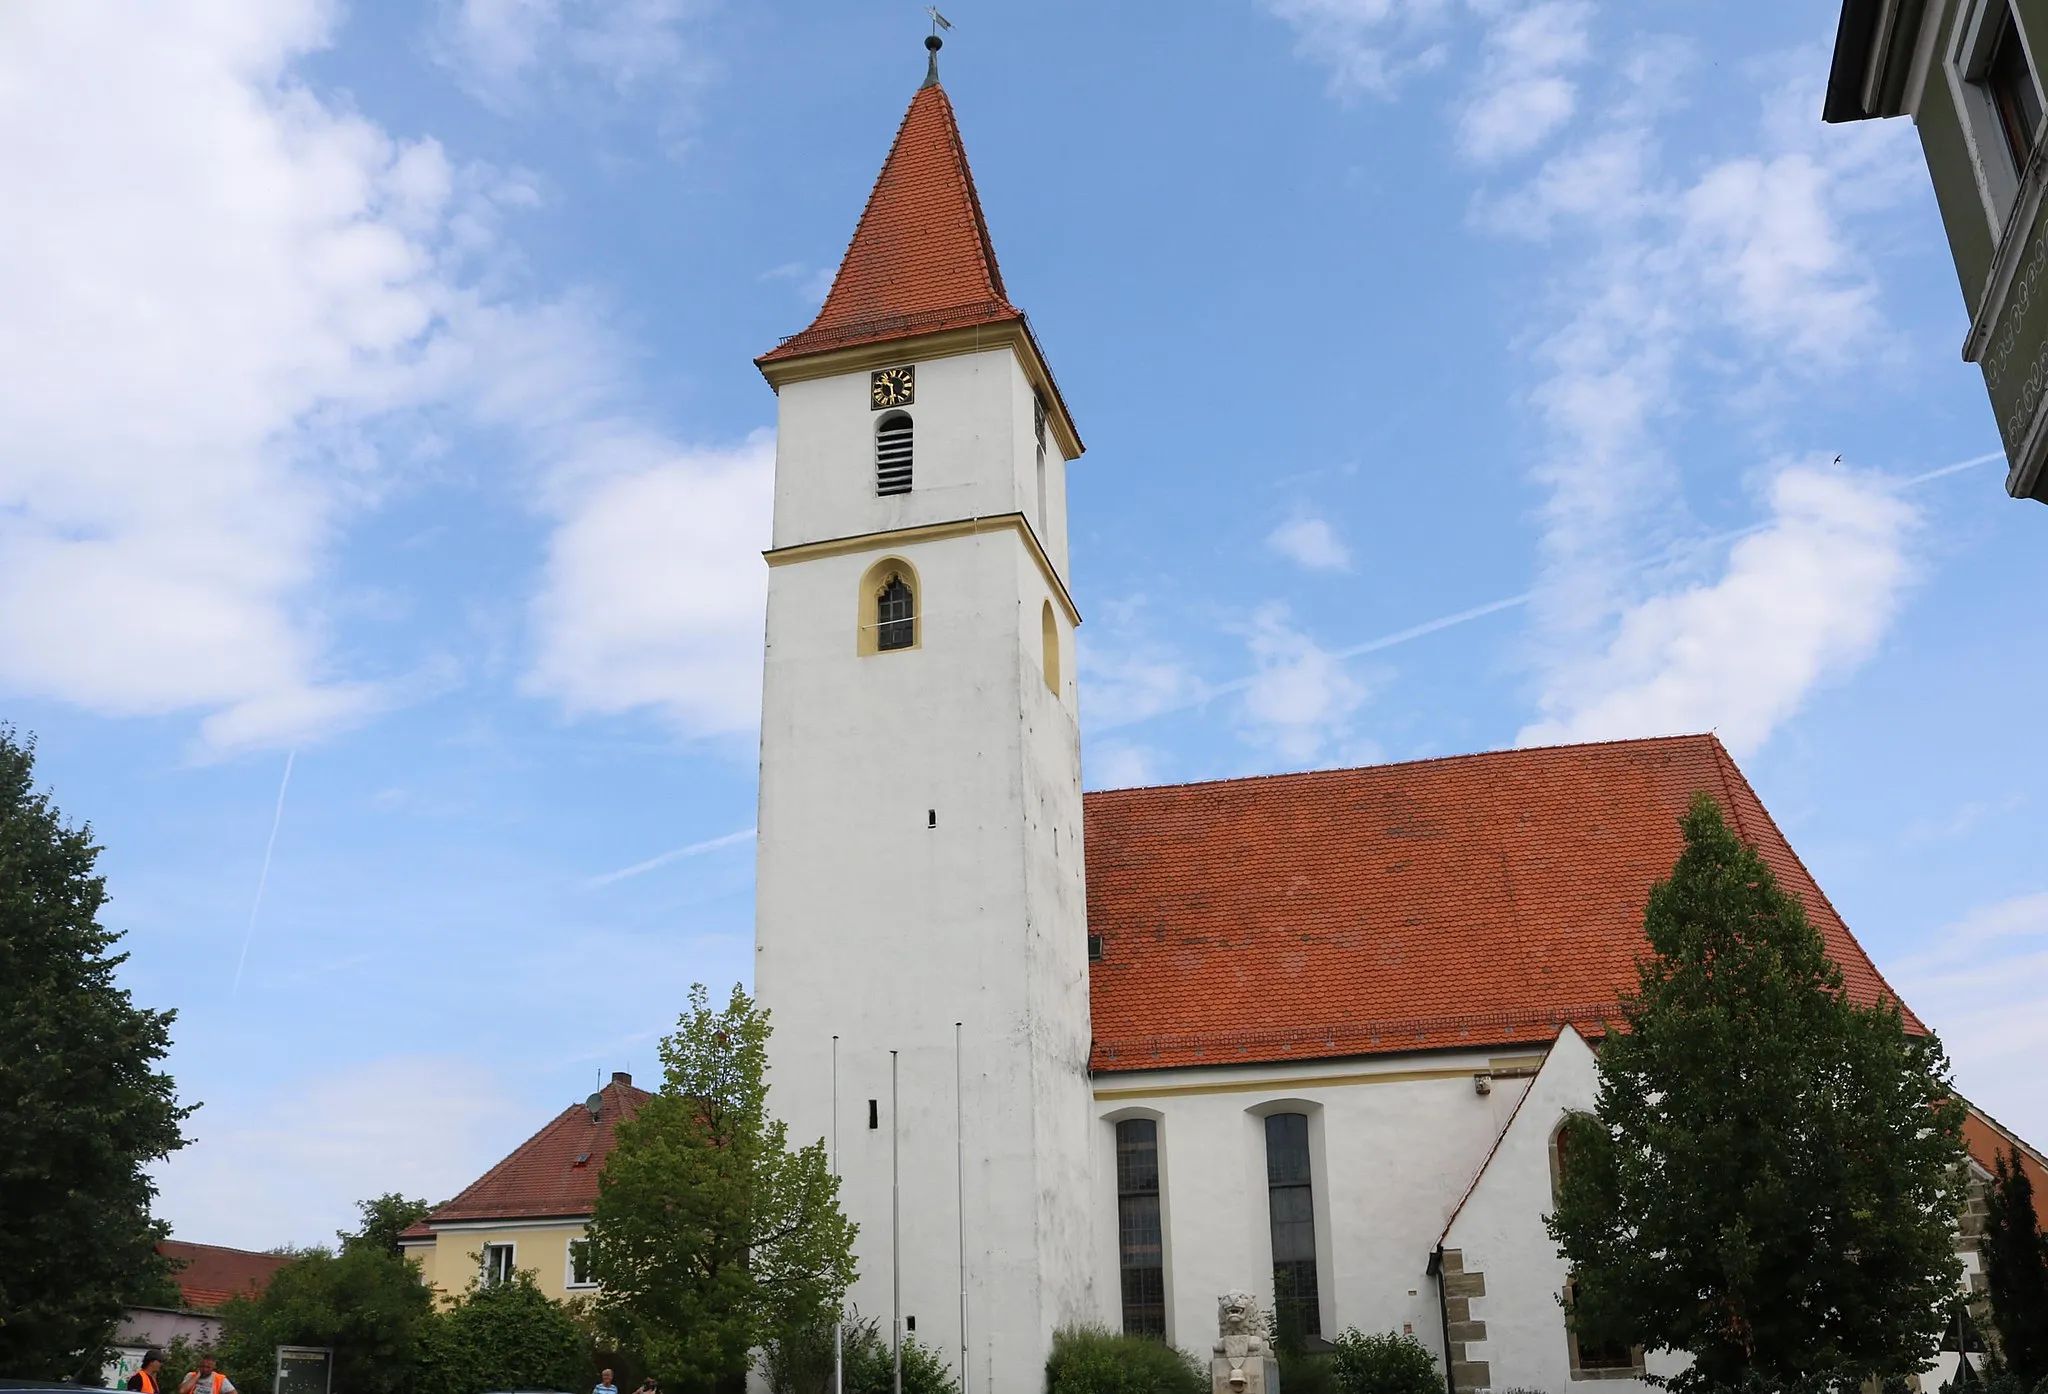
{"x": 1805, "y": 599}
{"x": 1300, "y": 699}
{"x": 1368, "y": 45}
{"x": 1980, "y": 984}
{"x": 1748, "y": 266}
{"x": 1765, "y": 237}
{"x": 226, "y": 299}
{"x": 211, "y": 279}
{"x": 654, "y": 589}
{"x": 1310, "y": 542}
{"x": 500, "y": 48}
{"x": 1522, "y": 96}
{"x": 287, "y": 1165}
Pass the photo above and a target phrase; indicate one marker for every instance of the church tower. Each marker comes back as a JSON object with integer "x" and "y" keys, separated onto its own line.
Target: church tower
{"x": 921, "y": 902}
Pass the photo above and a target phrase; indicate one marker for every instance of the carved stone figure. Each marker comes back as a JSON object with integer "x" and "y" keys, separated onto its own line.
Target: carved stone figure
{"x": 1244, "y": 1361}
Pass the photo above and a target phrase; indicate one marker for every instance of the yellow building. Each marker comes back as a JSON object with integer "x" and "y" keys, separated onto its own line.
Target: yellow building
{"x": 528, "y": 1211}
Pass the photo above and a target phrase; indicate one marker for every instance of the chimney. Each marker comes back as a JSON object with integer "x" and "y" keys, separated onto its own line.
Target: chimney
{"x": 621, "y": 1078}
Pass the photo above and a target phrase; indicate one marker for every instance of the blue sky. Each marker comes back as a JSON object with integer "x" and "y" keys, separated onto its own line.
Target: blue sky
{"x": 376, "y": 403}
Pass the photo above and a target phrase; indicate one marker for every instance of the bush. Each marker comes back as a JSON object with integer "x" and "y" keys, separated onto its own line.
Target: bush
{"x": 864, "y": 1353}
{"x": 508, "y": 1335}
{"x": 1388, "y": 1364}
{"x": 1091, "y": 1360}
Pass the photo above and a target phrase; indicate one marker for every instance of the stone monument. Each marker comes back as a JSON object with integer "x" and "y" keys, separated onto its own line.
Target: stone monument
{"x": 1244, "y": 1361}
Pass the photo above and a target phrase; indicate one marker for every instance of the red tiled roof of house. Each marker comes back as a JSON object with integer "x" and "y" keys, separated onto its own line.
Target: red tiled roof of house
{"x": 552, "y": 1173}
{"x": 1986, "y": 1139}
{"x": 1483, "y": 900}
{"x": 920, "y": 260}
{"x": 208, "y": 1275}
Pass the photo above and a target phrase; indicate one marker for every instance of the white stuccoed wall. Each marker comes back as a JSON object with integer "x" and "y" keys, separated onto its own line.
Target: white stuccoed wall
{"x": 1499, "y": 1232}
{"x": 883, "y": 931}
{"x": 1394, "y": 1141}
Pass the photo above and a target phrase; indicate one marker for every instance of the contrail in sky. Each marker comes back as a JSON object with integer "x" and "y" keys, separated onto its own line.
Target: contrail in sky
{"x": 694, "y": 849}
{"x": 264, "y": 879}
{"x": 1493, "y": 607}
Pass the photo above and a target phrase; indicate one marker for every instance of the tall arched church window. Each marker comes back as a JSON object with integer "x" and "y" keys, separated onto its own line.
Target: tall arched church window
{"x": 1049, "y": 647}
{"x": 1589, "y": 1359}
{"x": 893, "y": 453}
{"x": 1141, "y": 1254}
{"x": 1297, "y": 1304}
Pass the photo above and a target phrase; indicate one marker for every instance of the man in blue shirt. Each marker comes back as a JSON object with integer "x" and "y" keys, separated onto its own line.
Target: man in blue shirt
{"x": 605, "y": 1385}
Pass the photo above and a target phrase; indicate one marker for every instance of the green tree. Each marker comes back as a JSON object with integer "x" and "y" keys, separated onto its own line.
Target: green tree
{"x": 1772, "y": 1175}
{"x": 711, "y": 1235}
{"x": 1389, "y": 1363}
{"x": 384, "y": 1219}
{"x": 2016, "y": 1272}
{"x": 368, "y": 1305}
{"x": 83, "y": 1108}
{"x": 508, "y": 1335}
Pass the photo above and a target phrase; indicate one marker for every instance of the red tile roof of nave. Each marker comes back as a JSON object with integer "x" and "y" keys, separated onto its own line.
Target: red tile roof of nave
{"x": 920, "y": 260}
{"x": 543, "y": 1176}
{"x": 1478, "y": 900}
{"x": 208, "y": 1275}
{"x": 1987, "y": 1139}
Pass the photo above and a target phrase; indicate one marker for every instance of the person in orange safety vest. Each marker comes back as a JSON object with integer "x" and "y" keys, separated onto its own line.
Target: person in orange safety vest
{"x": 145, "y": 1380}
{"x": 206, "y": 1380}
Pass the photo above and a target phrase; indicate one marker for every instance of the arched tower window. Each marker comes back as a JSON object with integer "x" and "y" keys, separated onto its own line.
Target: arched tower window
{"x": 892, "y": 453}
{"x": 1049, "y": 641}
{"x": 888, "y": 619}
{"x": 895, "y": 615}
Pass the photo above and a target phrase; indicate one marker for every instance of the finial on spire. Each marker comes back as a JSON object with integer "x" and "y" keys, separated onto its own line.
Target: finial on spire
{"x": 933, "y": 44}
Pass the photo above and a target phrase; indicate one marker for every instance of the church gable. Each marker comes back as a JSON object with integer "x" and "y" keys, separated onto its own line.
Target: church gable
{"x": 1474, "y": 901}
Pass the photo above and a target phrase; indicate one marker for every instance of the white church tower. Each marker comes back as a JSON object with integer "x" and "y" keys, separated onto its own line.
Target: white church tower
{"x": 921, "y": 897}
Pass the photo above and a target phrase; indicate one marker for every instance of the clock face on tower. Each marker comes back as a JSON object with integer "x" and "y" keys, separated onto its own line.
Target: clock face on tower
{"x": 892, "y": 387}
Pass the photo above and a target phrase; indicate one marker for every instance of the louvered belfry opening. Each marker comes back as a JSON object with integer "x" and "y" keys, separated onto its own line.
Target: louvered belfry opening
{"x": 892, "y": 454}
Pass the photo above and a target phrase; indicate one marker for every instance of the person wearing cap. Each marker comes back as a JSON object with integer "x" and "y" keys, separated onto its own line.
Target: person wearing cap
{"x": 144, "y": 1380}
{"x": 206, "y": 1380}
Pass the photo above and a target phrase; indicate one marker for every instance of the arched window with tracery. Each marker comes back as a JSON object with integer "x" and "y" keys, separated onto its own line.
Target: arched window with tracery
{"x": 888, "y": 617}
{"x": 893, "y": 453}
{"x": 895, "y": 615}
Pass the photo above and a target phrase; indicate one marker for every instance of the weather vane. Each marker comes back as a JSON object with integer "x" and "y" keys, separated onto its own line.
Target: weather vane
{"x": 933, "y": 45}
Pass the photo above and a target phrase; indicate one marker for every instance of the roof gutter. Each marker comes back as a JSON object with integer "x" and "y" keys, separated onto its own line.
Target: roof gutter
{"x": 1873, "y": 58}
{"x": 1443, "y": 1315}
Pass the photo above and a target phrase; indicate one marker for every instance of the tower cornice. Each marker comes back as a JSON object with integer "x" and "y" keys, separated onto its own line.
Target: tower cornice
{"x": 933, "y": 532}
{"x": 1015, "y": 333}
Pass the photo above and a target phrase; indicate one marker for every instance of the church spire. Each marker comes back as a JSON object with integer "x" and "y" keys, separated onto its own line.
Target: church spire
{"x": 920, "y": 260}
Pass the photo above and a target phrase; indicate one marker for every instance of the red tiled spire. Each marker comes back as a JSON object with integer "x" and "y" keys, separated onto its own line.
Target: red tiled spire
{"x": 921, "y": 259}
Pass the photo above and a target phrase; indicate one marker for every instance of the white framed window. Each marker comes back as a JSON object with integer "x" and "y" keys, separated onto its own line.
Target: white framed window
{"x": 1997, "y": 87}
{"x": 579, "y": 1274}
{"x": 498, "y": 1263}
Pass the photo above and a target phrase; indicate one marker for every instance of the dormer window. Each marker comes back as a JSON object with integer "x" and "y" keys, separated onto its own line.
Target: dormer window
{"x": 892, "y": 453}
